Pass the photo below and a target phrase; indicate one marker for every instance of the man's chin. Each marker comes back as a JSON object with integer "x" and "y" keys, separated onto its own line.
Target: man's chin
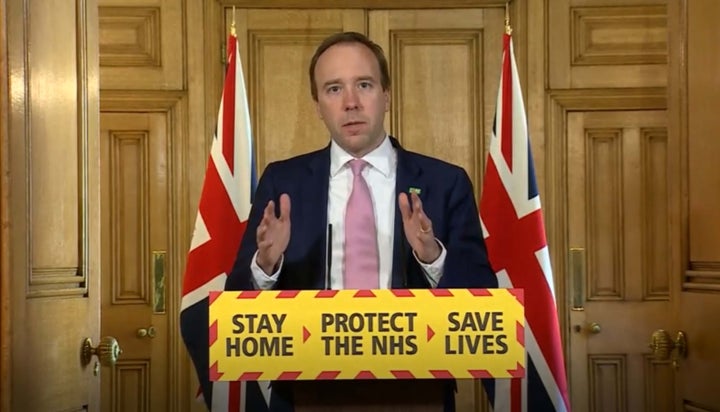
{"x": 354, "y": 144}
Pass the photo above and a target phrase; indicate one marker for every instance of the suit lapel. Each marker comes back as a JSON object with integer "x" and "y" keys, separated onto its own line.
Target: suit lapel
{"x": 314, "y": 216}
{"x": 408, "y": 178}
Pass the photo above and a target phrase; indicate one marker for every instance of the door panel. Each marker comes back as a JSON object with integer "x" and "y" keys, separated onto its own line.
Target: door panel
{"x": 276, "y": 47}
{"x": 134, "y": 151}
{"x": 141, "y": 44}
{"x": 54, "y": 204}
{"x": 606, "y": 44}
{"x": 445, "y": 68}
{"x": 619, "y": 259}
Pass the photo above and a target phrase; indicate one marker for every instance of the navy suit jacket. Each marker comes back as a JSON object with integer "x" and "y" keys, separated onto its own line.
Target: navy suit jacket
{"x": 447, "y": 198}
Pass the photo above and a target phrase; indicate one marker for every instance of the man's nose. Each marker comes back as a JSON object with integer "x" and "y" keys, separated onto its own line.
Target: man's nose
{"x": 350, "y": 99}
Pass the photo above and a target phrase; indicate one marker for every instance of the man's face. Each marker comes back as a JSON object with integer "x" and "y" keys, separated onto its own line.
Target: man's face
{"x": 351, "y": 101}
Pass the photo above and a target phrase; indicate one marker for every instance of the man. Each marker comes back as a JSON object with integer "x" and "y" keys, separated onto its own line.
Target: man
{"x": 404, "y": 219}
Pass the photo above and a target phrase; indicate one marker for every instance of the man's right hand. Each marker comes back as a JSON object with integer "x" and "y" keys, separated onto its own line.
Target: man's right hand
{"x": 273, "y": 235}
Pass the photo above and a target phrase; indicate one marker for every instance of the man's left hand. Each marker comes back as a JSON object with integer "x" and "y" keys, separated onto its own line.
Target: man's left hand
{"x": 418, "y": 228}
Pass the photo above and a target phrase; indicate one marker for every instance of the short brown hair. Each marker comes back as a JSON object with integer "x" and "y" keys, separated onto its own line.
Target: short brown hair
{"x": 350, "y": 37}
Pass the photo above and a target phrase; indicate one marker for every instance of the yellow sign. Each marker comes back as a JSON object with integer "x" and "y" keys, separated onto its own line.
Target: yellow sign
{"x": 351, "y": 334}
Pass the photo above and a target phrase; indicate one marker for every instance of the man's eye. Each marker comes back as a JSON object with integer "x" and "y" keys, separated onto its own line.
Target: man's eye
{"x": 365, "y": 85}
{"x": 333, "y": 89}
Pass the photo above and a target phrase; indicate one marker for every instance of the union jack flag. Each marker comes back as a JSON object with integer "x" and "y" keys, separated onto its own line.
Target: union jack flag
{"x": 517, "y": 249}
{"x": 221, "y": 220}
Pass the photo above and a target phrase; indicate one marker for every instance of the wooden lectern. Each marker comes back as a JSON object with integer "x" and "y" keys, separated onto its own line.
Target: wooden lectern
{"x": 344, "y": 335}
{"x": 411, "y": 395}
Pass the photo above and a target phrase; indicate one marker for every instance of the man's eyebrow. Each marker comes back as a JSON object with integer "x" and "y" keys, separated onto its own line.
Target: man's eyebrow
{"x": 366, "y": 78}
{"x": 330, "y": 82}
{"x": 357, "y": 79}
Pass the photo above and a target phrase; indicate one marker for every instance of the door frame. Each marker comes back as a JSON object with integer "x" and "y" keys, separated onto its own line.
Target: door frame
{"x": 559, "y": 104}
{"x": 174, "y": 105}
{"x": 4, "y": 217}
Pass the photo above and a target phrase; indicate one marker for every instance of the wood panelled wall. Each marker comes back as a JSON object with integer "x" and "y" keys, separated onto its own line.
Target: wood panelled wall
{"x": 694, "y": 94}
{"x": 595, "y": 75}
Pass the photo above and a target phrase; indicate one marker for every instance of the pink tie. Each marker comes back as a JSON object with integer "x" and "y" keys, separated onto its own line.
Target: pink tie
{"x": 361, "y": 250}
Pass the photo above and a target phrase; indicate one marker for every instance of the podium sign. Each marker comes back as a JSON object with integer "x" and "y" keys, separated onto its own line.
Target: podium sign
{"x": 358, "y": 334}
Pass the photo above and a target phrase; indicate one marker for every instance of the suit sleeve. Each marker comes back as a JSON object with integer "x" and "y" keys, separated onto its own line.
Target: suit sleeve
{"x": 240, "y": 278}
{"x": 466, "y": 264}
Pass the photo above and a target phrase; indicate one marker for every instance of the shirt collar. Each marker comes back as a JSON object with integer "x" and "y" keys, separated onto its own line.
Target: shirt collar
{"x": 383, "y": 158}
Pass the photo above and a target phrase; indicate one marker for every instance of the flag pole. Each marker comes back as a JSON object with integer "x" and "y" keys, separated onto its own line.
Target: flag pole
{"x": 508, "y": 28}
{"x": 232, "y": 24}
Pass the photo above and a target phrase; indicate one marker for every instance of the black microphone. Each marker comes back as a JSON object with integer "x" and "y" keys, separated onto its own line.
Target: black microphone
{"x": 403, "y": 263}
{"x": 328, "y": 257}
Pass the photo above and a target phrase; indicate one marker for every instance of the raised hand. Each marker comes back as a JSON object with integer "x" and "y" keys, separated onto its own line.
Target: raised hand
{"x": 418, "y": 228}
{"x": 273, "y": 235}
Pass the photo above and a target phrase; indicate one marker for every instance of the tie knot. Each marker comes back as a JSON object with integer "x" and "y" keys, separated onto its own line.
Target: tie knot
{"x": 357, "y": 165}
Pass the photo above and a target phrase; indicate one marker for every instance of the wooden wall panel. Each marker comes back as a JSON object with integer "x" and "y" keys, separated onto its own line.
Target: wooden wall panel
{"x": 608, "y": 36}
{"x": 703, "y": 150}
{"x": 131, "y": 36}
{"x": 695, "y": 94}
{"x": 453, "y": 61}
{"x": 445, "y": 68}
{"x": 141, "y": 44}
{"x": 607, "y": 43}
{"x": 275, "y": 48}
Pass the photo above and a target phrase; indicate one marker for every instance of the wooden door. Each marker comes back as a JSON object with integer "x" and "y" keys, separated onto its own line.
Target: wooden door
{"x": 51, "y": 206}
{"x": 146, "y": 220}
{"x": 135, "y": 230}
{"x": 619, "y": 260}
{"x": 445, "y": 68}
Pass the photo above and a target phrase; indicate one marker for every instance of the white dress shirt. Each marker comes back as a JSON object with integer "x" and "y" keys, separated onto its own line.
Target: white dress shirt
{"x": 380, "y": 175}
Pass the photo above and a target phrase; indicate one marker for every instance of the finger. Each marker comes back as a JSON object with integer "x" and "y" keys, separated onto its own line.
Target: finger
{"x": 404, "y": 205}
{"x": 416, "y": 203}
{"x": 269, "y": 212}
{"x": 425, "y": 225}
{"x": 425, "y": 222}
{"x": 284, "y": 206}
{"x": 260, "y": 233}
